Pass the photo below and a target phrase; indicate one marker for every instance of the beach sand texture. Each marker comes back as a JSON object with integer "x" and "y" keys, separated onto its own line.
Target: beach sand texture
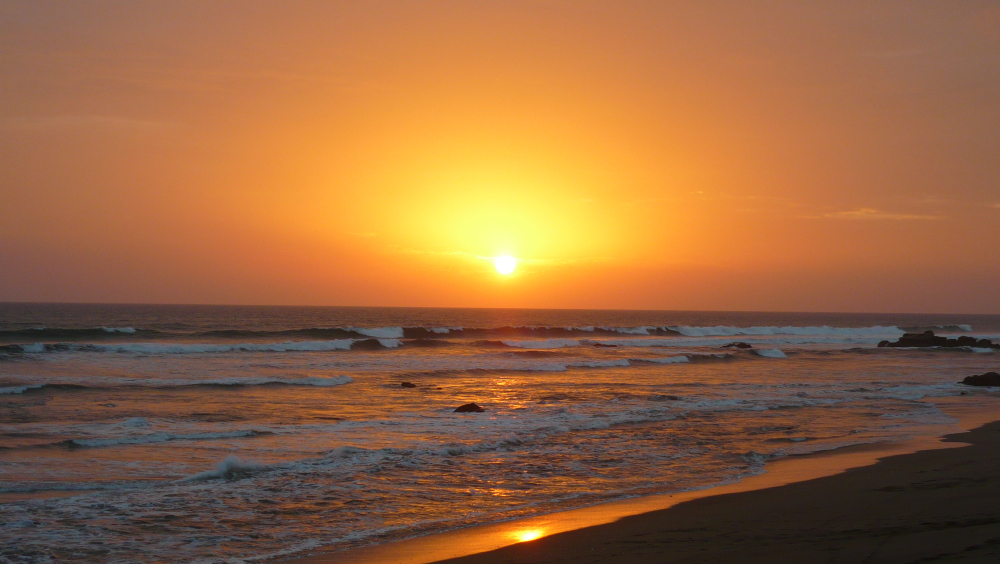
{"x": 931, "y": 506}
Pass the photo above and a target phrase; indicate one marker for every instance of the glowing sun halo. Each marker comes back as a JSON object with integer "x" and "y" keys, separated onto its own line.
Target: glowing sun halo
{"x": 505, "y": 264}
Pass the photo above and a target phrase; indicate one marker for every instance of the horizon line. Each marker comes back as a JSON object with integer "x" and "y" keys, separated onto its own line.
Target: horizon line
{"x": 180, "y": 304}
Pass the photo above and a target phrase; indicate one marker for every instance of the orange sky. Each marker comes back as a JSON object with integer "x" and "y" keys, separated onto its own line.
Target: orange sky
{"x": 775, "y": 156}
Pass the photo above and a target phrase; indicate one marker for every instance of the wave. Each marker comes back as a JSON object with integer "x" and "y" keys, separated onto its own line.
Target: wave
{"x": 543, "y": 344}
{"x": 664, "y": 360}
{"x": 421, "y": 336}
{"x": 394, "y": 332}
{"x": 203, "y": 348}
{"x": 730, "y": 331}
{"x": 770, "y": 353}
{"x": 161, "y": 437}
{"x": 230, "y": 468}
{"x": 28, "y": 388}
{"x": 319, "y": 381}
{"x": 936, "y": 328}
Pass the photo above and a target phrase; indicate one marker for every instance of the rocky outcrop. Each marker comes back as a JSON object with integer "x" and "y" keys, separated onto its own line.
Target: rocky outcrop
{"x": 929, "y": 339}
{"x": 469, "y": 408}
{"x": 408, "y": 385}
{"x": 988, "y": 379}
{"x": 738, "y": 345}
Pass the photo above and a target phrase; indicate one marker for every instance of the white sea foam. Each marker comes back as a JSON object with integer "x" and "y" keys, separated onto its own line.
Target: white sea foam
{"x": 644, "y": 330}
{"x": 444, "y": 330}
{"x": 666, "y": 359}
{"x": 19, "y": 389}
{"x": 320, "y": 381}
{"x": 33, "y": 348}
{"x": 379, "y": 332}
{"x": 770, "y": 353}
{"x": 231, "y": 466}
{"x": 119, "y": 329}
{"x": 543, "y": 343}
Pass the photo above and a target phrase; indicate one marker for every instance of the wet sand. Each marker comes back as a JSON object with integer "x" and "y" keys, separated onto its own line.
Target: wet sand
{"x": 940, "y": 505}
{"x": 926, "y": 500}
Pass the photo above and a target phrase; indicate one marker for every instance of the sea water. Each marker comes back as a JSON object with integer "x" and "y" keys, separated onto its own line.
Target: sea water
{"x": 232, "y": 434}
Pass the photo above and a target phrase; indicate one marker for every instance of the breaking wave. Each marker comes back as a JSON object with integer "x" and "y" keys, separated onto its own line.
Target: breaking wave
{"x": 730, "y": 331}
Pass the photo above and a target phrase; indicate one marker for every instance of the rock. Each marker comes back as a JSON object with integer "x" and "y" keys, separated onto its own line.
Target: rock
{"x": 738, "y": 345}
{"x": 408, "y": 385}
{"x": 604, "y": 345}
{"x": 469, "y": 408}
{"x": 929, "y": 339}
{"x": 988, "y": 379}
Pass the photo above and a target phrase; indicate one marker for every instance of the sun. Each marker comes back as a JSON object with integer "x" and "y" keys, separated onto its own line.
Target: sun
{"x": 505, "y": 264}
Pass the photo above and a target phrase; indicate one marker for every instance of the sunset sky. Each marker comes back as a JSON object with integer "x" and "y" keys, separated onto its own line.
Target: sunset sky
{"x": 833, "y": 156}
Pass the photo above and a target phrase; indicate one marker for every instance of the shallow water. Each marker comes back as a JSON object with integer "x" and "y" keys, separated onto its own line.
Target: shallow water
{"x": 228, "y": 433}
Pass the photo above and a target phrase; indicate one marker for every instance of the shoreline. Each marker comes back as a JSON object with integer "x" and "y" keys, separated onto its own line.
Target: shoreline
{"x": 505, "y": 540}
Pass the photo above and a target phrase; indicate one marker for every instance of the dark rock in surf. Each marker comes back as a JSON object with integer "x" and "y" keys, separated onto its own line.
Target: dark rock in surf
{"x": 604, "y": 345}
{"x": 929, "y": 339}
{"x": 738, "y": 345}
{"x": 469, "y": 408}
{"x": 988, "y": 379}
{"x": 408, "y": 385}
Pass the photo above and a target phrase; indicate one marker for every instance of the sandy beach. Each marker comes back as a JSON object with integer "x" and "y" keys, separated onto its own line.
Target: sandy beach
{"x": 930, "y": 506}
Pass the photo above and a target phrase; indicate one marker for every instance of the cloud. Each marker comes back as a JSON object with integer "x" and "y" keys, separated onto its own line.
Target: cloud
{"x": 872, "y": 213}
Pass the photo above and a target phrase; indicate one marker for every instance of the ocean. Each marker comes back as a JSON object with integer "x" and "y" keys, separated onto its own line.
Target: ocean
{"x": 133, "y": 433}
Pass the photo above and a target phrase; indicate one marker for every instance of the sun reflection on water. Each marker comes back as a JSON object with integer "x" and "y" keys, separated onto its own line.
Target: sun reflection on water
{"x": 529, "y": 535}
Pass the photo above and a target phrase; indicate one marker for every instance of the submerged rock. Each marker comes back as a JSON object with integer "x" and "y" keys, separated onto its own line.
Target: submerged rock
{"x": 469, "y": 408}
{"x": 408, "y": 385}
{"x": 929, "y": 339}
{"x": 738, "y": 345}
{"x": 988, "y": 379}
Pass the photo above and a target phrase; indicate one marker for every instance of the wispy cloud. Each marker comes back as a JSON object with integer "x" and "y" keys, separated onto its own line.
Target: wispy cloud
{"x": 872, "y": 213}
